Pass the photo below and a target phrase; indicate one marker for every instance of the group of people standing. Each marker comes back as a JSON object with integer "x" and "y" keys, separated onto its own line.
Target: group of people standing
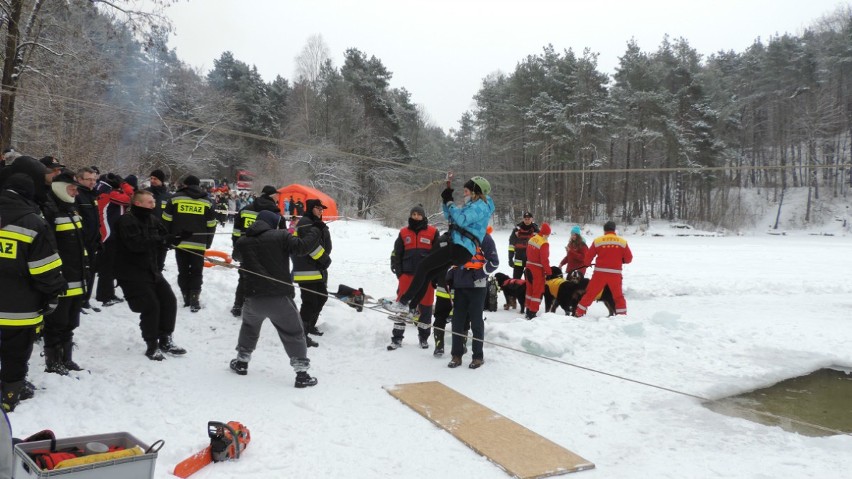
{"x": 446, "y": 274}
{"x": 60, "y": 229}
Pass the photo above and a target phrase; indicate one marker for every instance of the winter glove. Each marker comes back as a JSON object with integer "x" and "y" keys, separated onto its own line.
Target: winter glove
{"x": 50, "y": 306}
{"x": 511, "y": 258}
{"x": 324, "y": 262}
{"x": 395, "y": 270}
{"x": 447, "y": 195}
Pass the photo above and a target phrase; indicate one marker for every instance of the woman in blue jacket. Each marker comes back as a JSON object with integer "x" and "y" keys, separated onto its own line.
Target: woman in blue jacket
{"x": 467, "y": 229}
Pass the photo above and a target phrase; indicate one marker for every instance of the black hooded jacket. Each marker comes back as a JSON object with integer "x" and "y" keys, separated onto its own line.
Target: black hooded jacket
{"x": 248, "y": 215}
{"x": 313, "y": 267}
{"x": 30, "y": 268}
{"x": 267, "y": 251}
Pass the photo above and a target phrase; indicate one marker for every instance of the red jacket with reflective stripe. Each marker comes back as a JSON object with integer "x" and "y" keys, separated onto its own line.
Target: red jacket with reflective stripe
{"x": 611, "y": 251}
{"x": 538, "y": 253}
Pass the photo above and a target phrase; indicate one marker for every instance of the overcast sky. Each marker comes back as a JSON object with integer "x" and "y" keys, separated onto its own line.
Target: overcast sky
{"x": 440, "y": 50}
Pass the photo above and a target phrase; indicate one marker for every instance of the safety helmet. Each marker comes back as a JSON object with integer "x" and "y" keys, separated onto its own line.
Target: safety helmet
{"x": 483, "y": 185}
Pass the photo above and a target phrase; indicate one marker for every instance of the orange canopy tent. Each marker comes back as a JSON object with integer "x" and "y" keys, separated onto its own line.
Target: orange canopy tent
{"x": 304, "y": 193}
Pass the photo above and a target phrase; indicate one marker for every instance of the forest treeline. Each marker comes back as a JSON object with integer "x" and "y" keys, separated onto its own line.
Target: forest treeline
{"x": 672, "y": 134}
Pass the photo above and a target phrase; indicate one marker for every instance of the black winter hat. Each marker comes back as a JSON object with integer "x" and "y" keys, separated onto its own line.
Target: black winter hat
{"x": 609, "y": 226}
{"x": 132, "y": 180}
{"x": 158, "y": 174}
{"x": 191, "y": 180}
{"x": 313, "y": 203}
{"x": 21, "y": 184}
{"x": 268, "y": 190}
{"x": 66, "y": 176}
{"x": 51, "y": 162}
{"x": 270, "y": 218}
{"x": 418, "y": 209}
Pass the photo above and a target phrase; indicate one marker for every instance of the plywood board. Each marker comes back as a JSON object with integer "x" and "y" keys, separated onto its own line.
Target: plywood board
{"x": 517, "y": 450}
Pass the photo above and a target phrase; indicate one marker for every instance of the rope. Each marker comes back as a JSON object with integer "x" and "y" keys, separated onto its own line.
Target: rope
{"x": 555, "y": 360}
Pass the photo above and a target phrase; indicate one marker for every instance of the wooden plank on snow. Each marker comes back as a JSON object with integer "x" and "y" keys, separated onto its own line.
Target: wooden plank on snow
{"x": 517, "y": 450}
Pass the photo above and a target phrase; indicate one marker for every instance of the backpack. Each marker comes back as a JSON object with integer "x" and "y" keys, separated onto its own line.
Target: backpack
{"x": 491, "y": 294}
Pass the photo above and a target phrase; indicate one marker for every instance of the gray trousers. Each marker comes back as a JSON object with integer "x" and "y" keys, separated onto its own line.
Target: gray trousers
{"x": 284, "y": 316}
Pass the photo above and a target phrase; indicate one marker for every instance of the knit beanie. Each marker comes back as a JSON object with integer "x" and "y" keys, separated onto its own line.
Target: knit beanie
{"x": 158, "y": 174}
{"x": 576, "y": 230}
{"x": 418, "y": 209}
{"x": 21, "y": 184}
{"x": 545, "y": 229}
{"x": 191, "y": 180}
{"x": 270, "y": 218}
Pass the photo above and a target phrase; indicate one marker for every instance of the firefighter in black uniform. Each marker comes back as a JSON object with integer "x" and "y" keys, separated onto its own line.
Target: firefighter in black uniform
{"x": 60, "y": 212}
{"x": 267, "y": 201}
{"x": 518, "y": 240}
{"x": 190, "y": 209}
{"x": 139, "y": 245}
{"x": 160, "y": 191}
{"x": 30, "y": 278}
{"x": 311, "y": 270}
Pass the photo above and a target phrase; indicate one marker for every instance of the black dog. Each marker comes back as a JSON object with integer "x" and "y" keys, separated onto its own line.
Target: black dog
{"x": 514, "y": 290}
{"x": 570, "y": 291}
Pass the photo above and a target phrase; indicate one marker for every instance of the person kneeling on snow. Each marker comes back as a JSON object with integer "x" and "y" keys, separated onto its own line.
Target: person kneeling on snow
{"x": 264, "y": 253}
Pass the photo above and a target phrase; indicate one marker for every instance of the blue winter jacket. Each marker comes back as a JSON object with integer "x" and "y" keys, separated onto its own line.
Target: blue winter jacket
{"x": 473, "y": 217}
{"x": 476, "y": 278}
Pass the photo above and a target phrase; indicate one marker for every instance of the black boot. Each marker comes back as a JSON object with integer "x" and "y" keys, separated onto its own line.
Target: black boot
{"x": 153, "y": 350}
{"x": 530, "y": 314}
{"x": 239, "y": 367}
{"x": 185, "y": 295}
{"x": 67, "y": 357}
{"x": 53, "y": 361}
{"x": 11, "y": 393}
{"x": 303, "y": 380}
{"x": 310, "y": 342}
{"x": 194, "y": 304}
{"x": 237, "y": 310}
{"x": 169, "y": 346}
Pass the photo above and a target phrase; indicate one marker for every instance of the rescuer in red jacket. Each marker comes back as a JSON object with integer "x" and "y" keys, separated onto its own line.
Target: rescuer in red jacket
{"x": 538, "y": 266}
{"x": 608, "y": 252}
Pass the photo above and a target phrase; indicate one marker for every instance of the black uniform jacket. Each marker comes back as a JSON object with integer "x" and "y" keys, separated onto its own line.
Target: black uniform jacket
{"x": 30, "y": 267}
{"x": 267, "y": 252}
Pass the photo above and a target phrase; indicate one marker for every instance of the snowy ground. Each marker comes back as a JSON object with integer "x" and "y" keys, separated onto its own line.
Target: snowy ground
{"x": 709, "y": 316}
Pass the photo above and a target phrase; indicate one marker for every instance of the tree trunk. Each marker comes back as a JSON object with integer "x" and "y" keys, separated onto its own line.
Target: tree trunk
{"x": 10, "y": 74}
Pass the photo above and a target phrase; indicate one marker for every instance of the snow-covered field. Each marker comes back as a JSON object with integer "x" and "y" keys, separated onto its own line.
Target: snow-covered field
{"x": 708, "y": 316}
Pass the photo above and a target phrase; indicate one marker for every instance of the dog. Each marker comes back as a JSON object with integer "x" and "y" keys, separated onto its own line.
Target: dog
{"x": 569, "y": 292}
{"x": 514, "y": 290}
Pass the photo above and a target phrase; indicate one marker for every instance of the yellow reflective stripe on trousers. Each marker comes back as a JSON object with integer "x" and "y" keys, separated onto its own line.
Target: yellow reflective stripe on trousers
{"x": 306, "y": 276}
{"x": 189, "y": 245}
